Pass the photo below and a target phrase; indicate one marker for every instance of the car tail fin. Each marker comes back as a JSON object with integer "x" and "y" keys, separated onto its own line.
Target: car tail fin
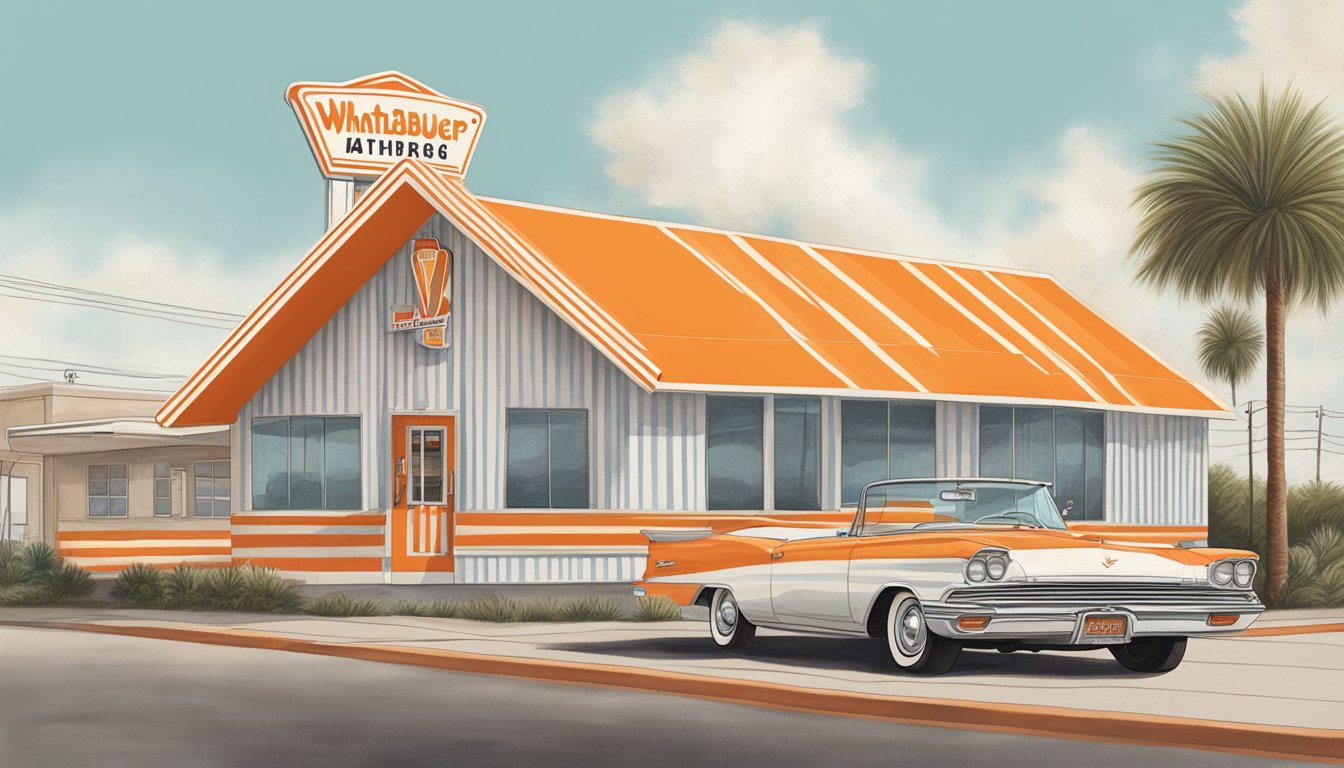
{"x": 680, "y": 534}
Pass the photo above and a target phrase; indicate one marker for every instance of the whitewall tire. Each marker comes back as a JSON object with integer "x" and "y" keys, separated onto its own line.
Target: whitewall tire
{"x": 727, "y": 625}
{"x": 913, "y": 647}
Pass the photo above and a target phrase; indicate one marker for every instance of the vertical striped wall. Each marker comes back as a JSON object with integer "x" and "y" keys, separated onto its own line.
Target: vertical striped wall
{"x": 957, "y": 447}
{"x": 1157, "y": 469}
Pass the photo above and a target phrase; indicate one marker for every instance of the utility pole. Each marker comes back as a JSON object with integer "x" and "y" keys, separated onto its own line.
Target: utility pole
{"x": 1250, "y": 475}
{"x": 1320, "y": 429}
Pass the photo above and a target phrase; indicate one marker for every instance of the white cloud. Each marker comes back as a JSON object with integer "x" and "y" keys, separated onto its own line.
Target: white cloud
{"x": 42, "y": 242}
{"x": 761, "y": 127}
{"x": 1285, "y": 40}
{"x": 756, "y": 130}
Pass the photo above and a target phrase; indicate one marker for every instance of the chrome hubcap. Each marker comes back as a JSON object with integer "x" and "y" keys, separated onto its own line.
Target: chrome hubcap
{"x": 726, "y": 617}
{"x": 909, "y": 629}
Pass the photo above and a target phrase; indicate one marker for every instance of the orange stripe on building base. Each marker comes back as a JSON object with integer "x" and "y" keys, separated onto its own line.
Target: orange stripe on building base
{"x": 124, "y": 535}
{"x": 254, "y": 540}
{"x": 1022, "y": 719}
{"x": 316, "y": 564}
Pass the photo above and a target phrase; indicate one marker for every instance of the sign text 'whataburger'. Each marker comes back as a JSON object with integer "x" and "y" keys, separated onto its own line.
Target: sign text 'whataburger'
{"x": 363, "y": 127}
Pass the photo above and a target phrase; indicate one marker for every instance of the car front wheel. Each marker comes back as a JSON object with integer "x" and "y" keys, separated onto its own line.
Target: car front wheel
{"x": 913, "y": 647}
{"x": 1150, "y": 654}
{"x": 727, "y": 625}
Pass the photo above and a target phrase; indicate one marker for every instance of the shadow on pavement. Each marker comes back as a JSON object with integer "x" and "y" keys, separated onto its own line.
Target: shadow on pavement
{"x": 851, "y": 655}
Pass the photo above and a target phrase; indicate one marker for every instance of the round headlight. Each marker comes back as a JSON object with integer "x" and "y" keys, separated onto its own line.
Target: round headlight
{"x": 1221, "y": 573}
{"x": 1243, "y": 573}
{"x": 975, "y": 570}
{"x": 996, "y": 567}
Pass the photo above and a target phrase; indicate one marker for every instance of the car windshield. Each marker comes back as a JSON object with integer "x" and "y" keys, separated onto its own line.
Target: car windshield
{"x": 896, "y": 506}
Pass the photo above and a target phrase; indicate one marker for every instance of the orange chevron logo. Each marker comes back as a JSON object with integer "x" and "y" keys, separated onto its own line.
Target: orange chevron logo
{"x": 433, "y": 268}
{"x": 1108, "y": 561}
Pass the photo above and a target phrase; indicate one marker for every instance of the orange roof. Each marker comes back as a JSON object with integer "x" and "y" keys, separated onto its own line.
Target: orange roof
{"x": 685, "y": 308}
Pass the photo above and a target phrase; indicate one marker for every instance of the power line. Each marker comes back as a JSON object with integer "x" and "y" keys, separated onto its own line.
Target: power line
{"x": 60, "y": 366}
{"x": 53, "y": 293}
{"x": 232, "y": 316}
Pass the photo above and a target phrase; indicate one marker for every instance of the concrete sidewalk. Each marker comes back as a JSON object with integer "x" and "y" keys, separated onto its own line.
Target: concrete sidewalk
{"x": 1289, "y": 680}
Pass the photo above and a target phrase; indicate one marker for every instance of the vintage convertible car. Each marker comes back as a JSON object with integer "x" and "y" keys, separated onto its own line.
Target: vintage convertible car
{"x": 936, "y": 565}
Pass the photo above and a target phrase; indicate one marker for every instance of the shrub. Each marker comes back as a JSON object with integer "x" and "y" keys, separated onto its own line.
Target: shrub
{"x": 264, "y": 590}
{"x": 439, "y": 609}
{"x": 183, "y": 589}
{"x": 13, "y": 571}
{"x": 140, "y": 584}
{"x": 221, "y": 589}
{"x": 39, "y": 558}
{"x": 656, "y": 608}
{"x": 66, "y": 581}
{"x": 1316, "y": 571}
{"x": 341, "y": 604}
{"x": 489, "y": 608}
{"x": 590, "y": 609}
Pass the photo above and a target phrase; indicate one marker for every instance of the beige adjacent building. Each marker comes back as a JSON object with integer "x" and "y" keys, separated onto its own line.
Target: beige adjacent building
{"x": 88, "y": 470}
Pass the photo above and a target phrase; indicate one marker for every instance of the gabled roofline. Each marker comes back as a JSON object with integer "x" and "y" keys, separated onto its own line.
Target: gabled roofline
{"x": 236, "y": 369}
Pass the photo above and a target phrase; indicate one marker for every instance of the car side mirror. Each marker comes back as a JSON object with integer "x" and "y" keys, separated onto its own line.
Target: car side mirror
{"x": 842, "y": 533}
{"x": 1068, "y": 507}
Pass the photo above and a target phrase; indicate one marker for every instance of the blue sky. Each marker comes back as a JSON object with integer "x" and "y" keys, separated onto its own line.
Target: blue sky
{"x": 147, "y": 149}
{"x": 169, "y": 117}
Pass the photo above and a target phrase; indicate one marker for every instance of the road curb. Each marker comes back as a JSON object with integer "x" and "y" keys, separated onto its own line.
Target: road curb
{"x": 1092, "y": 725}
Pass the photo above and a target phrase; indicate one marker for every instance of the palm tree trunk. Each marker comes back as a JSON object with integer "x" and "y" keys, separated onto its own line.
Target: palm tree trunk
{"x": 1276, "y": 481}
{"x": 1234, "y": 394}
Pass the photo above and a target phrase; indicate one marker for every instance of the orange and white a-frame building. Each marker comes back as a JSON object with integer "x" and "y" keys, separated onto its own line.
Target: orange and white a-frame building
{"x": 450, "y": 387}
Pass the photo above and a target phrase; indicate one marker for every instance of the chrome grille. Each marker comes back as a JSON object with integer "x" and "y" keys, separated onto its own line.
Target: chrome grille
{"x": 1099, "y": 594}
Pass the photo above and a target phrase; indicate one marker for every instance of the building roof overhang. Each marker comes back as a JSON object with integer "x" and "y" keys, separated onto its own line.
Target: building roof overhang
{"x": 111, "y": 435}
{"x": 709, "y": 310}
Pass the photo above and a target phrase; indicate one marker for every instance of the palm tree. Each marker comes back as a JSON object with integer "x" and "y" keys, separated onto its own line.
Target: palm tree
{"x": 1230, "y": 344}
{"x": 1249, "y": 203}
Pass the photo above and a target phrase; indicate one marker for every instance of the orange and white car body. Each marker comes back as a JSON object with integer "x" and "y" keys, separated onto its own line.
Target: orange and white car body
{"x": 815, "y": 577}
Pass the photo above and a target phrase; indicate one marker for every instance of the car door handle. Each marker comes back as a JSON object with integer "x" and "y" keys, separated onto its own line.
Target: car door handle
{"x": 776, "y": 555}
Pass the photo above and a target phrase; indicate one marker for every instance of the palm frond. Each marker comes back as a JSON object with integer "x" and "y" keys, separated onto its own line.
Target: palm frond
{"x": 1231, "y": 342}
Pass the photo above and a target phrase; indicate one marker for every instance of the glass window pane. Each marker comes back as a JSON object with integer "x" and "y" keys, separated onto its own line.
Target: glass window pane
{"x": 1094, "y": 464}
{"x": 569, "y": 459}
{"x": 97, "y": 487}
{"x": 97, "y": 472}
{"x": 203, "y": 486}
{"x": 863, "y": 446}
{"x": 202, "y": 468}
{"x": 162, "y": 470}
{"x": 116, "y": 507}
{"x": 163, "y": 507}
{"x": 342, "y": 463}
{"x": 117, "y": 487}
{"x": 116, "y": 471}
{"x": 221, "y": 507}
{"x": 425, "y": 484}
{"x": 220, "y": 468}
{"x": 306, "y": 438}
{"x": 797, "y": 452}
{"x": 913, "y": 430}
{"x": 1035, "y": 444}
{"x": 221, "y": 488}
{"x": 270, "y": 463}
{"x": 163, "y": 488}
{"x": 528, "y": 459}
{"x": 97, "y": 506}
{"x": 1069, "y": 478}
{"x": 203, "y": 506}
{"x": 996, "y": 441}
{"x": 735, "y": 454}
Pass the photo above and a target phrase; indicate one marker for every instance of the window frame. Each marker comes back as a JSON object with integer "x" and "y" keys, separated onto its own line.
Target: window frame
{"x": 214, "y": 497}
{"x": 887, "y": 404}
{"x": 1088, "y": 418}
{"x": 168, "y": 498}
{"x": 249, "y": 482}
{"x": 411, "y": 491}
{"x": 107, "y": 496}
{"x": 550, "y": 467}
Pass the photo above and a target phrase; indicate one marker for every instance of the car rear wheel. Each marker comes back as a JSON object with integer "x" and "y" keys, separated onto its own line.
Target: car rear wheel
{"x": 913, "y": 647}
{"x": 1150, "y": 654}
{"x": 727, "y": 625}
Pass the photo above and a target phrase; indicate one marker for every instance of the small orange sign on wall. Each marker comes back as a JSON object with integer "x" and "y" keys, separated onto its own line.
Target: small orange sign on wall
{"x": 432, "y": 267}
{"x": 363, "y": 127}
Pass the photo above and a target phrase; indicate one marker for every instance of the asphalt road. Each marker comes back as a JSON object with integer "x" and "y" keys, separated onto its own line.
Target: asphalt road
{"x": 76, "y": 699}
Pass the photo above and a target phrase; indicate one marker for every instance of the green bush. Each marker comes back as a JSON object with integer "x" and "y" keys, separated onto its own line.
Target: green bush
{"x": 183, "y": 589}
{"x": 438, "y": 609}
{"x": 341, "y": 604}
{"x": 264, "y": 590}
{"x": 140, "y": 585}
{"x": 1316, "y": 571}
{"x": 36, "y": 575}
{"x": 657, "y": 608}
{"x": 222, "y": 589}
{"x": 489, "y": 608}
{"x": 591, "y": 609}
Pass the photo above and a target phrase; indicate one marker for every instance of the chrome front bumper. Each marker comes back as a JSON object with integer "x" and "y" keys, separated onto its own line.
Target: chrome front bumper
{"x": 1063, "y": 624}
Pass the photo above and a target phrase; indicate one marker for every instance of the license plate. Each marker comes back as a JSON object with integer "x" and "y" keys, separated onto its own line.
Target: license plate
{"x": 1101, "y": 629}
